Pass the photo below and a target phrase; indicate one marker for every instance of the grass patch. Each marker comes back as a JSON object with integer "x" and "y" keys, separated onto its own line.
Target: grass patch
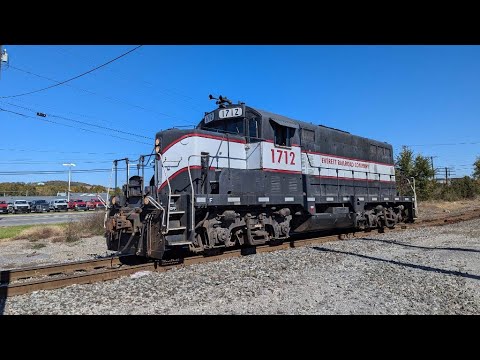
{"x": 36, "y": 233}
{"x": 8, "y": 232}
{"x": 89, "y": 225}
{"x": 95, "y": 223}
{"x": 71, "y": 233}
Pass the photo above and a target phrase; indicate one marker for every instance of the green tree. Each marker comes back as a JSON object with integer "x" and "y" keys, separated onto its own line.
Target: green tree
{"x": 404, "y": 162}
{"x": 464, "y": 188}
{"x": 476, "y": 169}
{"x": 407, "y": 166}
{"x": 423, "y": 174}
{"x": 404, "y": 170}
{"x": 51, "y": 188}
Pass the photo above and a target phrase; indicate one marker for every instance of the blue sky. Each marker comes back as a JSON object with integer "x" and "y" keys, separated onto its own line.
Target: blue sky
{"x": 412, "y": 95}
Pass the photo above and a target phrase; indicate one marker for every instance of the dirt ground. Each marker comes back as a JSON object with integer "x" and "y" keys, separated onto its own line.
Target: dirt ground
{"x": 428, "y": 210}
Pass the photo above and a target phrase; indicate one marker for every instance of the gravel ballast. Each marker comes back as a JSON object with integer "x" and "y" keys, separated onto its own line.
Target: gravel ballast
{"x": 432, "y": 270}
{"x": 25, "y": 253}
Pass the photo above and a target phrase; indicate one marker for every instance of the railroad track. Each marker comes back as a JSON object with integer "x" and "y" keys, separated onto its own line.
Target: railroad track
{"x": 48, "y": 277}
{"x": 26, "y": 280}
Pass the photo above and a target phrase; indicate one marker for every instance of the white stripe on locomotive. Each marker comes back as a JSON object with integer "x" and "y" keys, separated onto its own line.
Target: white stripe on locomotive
{"x": 266, "y": 156}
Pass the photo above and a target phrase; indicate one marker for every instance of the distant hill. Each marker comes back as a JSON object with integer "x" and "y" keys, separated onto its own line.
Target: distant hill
{"x": 65, "y": 183}
{"x": 50, "y": 188}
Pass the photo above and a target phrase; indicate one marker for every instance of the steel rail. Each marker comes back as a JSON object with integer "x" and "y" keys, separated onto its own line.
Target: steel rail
{"x": 65, "y": 274}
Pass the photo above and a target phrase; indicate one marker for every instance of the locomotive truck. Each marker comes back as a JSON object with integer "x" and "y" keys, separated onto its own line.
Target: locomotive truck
{"x": 245, "y": 177}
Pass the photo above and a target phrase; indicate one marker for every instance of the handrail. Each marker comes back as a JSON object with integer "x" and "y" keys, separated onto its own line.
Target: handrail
{"x": 101, "y": 200}
{"x": 414, "y": 196}
{"x": 353, "y": 173}
{"x": 329, "y": 168}
{"x": 160, "y": 207}
{"x": 192, "y": 200}
{"x": 108, "y": 193}
{"x": 169, "y": 192}
{"x": 177, "y": 161}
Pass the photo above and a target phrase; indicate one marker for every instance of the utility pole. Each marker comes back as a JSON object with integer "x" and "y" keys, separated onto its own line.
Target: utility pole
{"x": 69, "y": 177}
{"x": 431, "y": 163}
{"x": 449, "y": 171}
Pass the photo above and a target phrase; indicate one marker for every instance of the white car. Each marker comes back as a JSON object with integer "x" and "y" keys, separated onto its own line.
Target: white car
{"x": 58, "y": 205}
{"x": 20, "y": 206}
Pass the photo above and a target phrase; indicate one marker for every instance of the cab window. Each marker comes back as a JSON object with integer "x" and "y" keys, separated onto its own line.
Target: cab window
{"x": 282, "y": 135}
{"x": 215, "y": 125}
{"x": 230, "y": 126}
{"x": 235, "y": 126}
{"x": 253, "y": 128}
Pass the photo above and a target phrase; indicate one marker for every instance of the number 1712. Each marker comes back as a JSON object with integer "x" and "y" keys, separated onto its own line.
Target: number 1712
{"x": 285, "y": 154}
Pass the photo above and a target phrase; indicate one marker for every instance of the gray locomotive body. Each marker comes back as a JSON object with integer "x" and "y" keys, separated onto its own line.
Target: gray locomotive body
{"x": 246, "y": 177}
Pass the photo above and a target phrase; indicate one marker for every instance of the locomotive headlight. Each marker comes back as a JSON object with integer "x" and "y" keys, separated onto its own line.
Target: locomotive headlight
{"x": 157, "y": 149}
{"x": 146, "y": 201}
{"x": 157, "y": 141}
{"x": 114, "y": 200}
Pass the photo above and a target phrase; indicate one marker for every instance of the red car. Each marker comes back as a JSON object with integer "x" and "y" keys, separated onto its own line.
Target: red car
{"x": 3, "y": 207}
{"x": 94, "y": 204}
{"x": 77, "y": 205}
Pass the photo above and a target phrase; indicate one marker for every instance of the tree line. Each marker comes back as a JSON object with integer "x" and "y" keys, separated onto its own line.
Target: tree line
{"x": 49, "y": 188}
{"x": 409, "y": 165}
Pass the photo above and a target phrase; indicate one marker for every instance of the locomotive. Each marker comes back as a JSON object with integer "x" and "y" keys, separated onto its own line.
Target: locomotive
{"x": 245, "y": 177}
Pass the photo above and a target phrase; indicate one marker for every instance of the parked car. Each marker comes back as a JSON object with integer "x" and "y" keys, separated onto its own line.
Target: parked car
{"x": 39, "y": 206}
{"x": 59, "y": 205}
{"x": 3, "y": 207}
{"x": 77, "y": 205}
{"x": 95, "y": 204}
{"x": 20, "y": 206}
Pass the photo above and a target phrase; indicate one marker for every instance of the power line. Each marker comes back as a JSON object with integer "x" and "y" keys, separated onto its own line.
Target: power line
{"x": 168, "y": 92}
{"x": 14, "y": 112}
{"x": 64, "y": 152}
{"x": 445, "y": 144}
{"x": 100, "y": 95}
{"x": 75, "y": 127}
{"x": 75, "y": 77}
{"x": 49, "y": 106}
{"x": 16, "y": 162}
{"x": 31, "y": 103}
{"x": 53, "y": 172}
{"x": 82, "y": 122}
{"x": 40, "y": 162}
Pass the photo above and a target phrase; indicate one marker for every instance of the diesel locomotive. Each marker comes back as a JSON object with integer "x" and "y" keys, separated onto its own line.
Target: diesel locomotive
{"x": 245, "y": 177}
